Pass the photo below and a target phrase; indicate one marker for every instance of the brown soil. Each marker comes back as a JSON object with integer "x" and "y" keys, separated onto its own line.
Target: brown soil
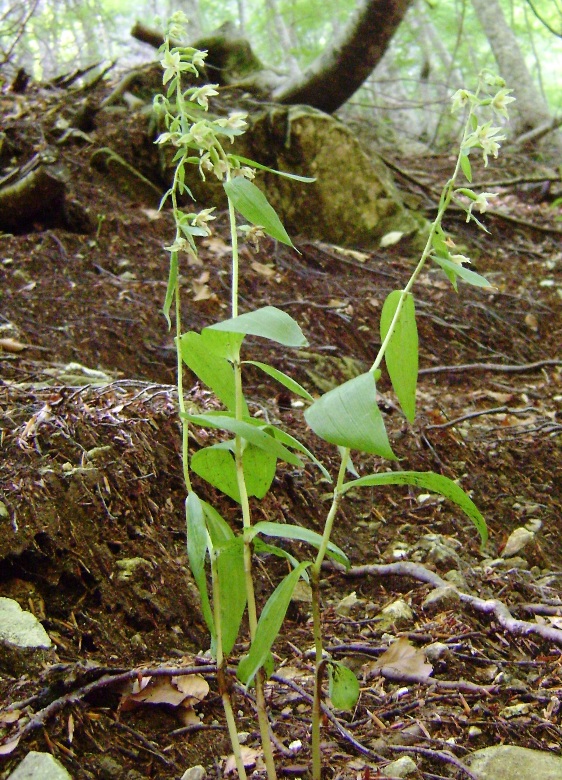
{"x": 91, "y": 477}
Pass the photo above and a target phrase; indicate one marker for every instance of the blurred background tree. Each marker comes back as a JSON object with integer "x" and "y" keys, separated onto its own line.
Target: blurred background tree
{"x": 439, "y": 46}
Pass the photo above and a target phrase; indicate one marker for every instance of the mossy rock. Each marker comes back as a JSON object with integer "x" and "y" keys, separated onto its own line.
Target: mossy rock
{"x": 353, "y": 200}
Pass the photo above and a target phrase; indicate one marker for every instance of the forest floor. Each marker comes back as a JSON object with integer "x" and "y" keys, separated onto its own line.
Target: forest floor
{"x": 92, "y": 521}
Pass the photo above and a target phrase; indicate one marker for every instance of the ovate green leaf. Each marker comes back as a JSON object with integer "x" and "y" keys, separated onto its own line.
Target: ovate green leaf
{"x": 343, "y": 686}
{"x": 269, "y": 323}
{"x": 401, "y": 354}
{"x": 211, "y": 367}
{"x": 349, "y": 416}
{"x": 466, "y": 167}
{"x": 217, "y": 466}
{"x": 250, "y": 201}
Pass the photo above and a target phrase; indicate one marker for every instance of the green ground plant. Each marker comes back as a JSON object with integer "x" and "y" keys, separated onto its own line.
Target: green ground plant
{"x": 243, "y": 466}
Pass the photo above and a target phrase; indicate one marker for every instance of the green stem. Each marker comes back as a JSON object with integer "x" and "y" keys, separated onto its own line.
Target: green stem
{"x": 181, "y": 400}
{"x": 446, "y": 197}
{"x": 316, "y": 616}
{"x": 222, "y": 680}
{"x": 246, "y": 512}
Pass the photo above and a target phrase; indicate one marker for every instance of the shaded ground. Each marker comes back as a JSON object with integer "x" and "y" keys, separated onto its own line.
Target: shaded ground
{"x": 93, "y": 536}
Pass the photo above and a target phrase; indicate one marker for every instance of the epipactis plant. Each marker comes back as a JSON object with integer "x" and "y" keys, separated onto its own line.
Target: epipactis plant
{"x": 244, "y": 465}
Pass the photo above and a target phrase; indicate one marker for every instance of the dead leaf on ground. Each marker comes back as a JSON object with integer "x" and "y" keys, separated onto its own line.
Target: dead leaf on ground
{"x": 217, "y": 246}
{"x": 12, "y": 345}
{"x": 250, "y": 757}
{"x": 201, "y": 288}
{"x": 264, "y": 270}
{"x": 9, "y": 747}
{"x": 165, "y": 690}
{"x": 401, "y": 657}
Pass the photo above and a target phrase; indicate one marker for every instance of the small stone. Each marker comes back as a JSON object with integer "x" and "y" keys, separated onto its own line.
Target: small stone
{"x": 39, "y": 766}
{"x": 402, "y": 767}
{"x": 517, "y": 540}
{"x": 455, "y": 577}
{"x": 516, "y": 710}
{"x": 108, "y": 769}
{"x": 128, "y": 566}
{"x": 194, "y": 773}
{"x": 24, "y": 643}
{"x": 397, "y": 612}
{"x": 474, "y": 732}
{"x": 435, "y": 651}
{"x": 506, "y": 762}
{"x": 442, "y": 598}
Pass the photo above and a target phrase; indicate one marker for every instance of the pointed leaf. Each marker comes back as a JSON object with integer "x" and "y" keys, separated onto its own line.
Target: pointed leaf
{"x": 219, "y": 530}
{"x": 212, "y": 368}
{"x": 250, "y": 201}
{"x": 349, "y": 416}
{"x": 269, "y": 323}
{"x": 288, "y": 531}
{"x": 217, "y": 466}
{"x": 259, "y": 166}
{"x": 285, "y": 380}
{"x": 262, "y": 547}
{"x": 247, "y": 431}
{"x": 232, "y": 590}
{"x": 429, "y": 481}
{"x": 259, "y": 470}
{"x": 463, "y": 273}
{"x": 401, "y": 354}
{"x": 343, "y": 686}
{"x": 466, "y": 167}
{"x": 290, "y": 441}
{"x": 172, "y": 285}
{"x": 269, "y": 625}
{"x": 197, "y": 552}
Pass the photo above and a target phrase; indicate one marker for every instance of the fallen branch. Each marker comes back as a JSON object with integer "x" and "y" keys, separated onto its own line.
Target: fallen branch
{"x": 493, "y": 607}
{"x": 497, "y": 367}
{"x": 485, "y": 412}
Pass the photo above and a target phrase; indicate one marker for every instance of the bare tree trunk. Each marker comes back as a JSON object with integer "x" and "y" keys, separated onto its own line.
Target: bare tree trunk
{"x": 284, "y": 36}
{"x": 334, "y": 76}
{"x": 531, "y": 110}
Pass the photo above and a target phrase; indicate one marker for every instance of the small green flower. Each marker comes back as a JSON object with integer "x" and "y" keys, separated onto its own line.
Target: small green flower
{"x": 480, "y": 203}
{"x": 501, "y": 101}
{"x": 487, "y": 138}
{"x": 170, "y": 62}
{"x": 460, "y": 99}
{"x": 201, "y": 219}
{"x": 202, "y": 95}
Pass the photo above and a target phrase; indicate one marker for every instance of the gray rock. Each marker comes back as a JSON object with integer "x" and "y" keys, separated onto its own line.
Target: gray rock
{"x": 24, "y": 643}
{"x": 517, "y": 540}
{"x": 109, "y": 769}
{"x": 194, "y": 773}
{"x": 402, "y": 767}
{"x": 39, "y": 766}
{"x": 393, "y": 614}
{"x": 21, "y": 628}
{"x": 445, "y": 597}
{"x": 506, "y": 762}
